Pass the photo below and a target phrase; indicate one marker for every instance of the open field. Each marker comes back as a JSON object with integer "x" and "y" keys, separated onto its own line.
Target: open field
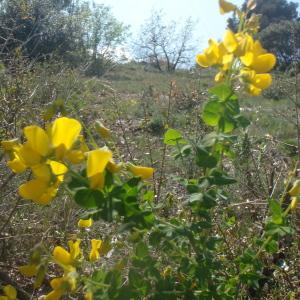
{"x": 138, "y": 106}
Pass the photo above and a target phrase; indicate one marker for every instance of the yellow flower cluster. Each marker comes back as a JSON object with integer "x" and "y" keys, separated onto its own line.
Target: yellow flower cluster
{"x": 68, "y": 260}
{"x": 10, "y": 293}
{"x": 238, "y": 55}
{"x": 46, "y": 153}
{"x": 49, "y": 154}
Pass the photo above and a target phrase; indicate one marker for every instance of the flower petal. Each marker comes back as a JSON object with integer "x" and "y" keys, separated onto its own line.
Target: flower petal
{"x": 226, "y": 7}
{"x": 85, "y": 223}
{"x": 10, "y": 292}
{"x": 230, "y": 41}
{"x": 263, "y": 81}
{"x": 264, "y": 63}
{"x": 29, "y": 156}
{"x": 143, "y": 172}
{"x": 33, "y": 189}
{"x": 42, "y": 171}
{"x": 62, "y": 256}
{"x": 202, "y": 60}
{"x": 97, "y": 161}
{"x": 37, "y": 139}
{"x": 58, "y": 169}
{"x": 64, "y": 132}
{"x": 95, "y": 245}
{"x": 74, "y": 247}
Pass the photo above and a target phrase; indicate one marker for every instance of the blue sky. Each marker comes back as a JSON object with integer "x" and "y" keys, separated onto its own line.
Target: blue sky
{"x": 206, "y": 12}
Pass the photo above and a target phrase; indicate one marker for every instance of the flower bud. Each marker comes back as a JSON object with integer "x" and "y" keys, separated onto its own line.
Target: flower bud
{"x": 295, "y": 190}
{"x": 102, "y": 130}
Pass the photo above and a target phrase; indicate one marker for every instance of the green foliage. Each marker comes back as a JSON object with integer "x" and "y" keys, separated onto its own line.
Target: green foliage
{"x": 283, "y": 39}
{"x": 67, "y": 30}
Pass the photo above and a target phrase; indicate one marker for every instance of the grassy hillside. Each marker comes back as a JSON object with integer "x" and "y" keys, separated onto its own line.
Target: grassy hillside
{"x": 139, "y": 105}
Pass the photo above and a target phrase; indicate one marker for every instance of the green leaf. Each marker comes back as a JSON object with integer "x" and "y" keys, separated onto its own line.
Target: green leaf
{"x": 173, "y": 137}
{"x": 222, "y": 91}
{"x": 220, "y": 178}
{"x": 186, "y": 150}
{"x": 141, "y": 250}
{"x": 242, "y": 121}
{"x": 78, "y": 182}
{"x": 205, "y": 159}
{"x": 272, "y": 246}
{"x": 212, "y": 112}
{"x": 276, "y": 211}
{"x": 226, "y": 124}
{"x": 275, "y": 229}
{"x": 89, "y": 198}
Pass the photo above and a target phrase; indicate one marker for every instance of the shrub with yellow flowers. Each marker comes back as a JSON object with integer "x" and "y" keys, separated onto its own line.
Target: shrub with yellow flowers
{"x": 179, "y": 257}
{"x": 239, "y": 57}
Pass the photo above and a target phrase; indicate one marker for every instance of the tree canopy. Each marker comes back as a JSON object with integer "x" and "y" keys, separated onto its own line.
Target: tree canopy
{"x": 72, "y": 30}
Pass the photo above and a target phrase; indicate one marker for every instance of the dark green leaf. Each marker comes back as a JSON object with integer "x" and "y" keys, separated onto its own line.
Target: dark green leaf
{"x": 204, "y": 159}
{"x": 89, "y": 198}
{"x": 220, "y": 178}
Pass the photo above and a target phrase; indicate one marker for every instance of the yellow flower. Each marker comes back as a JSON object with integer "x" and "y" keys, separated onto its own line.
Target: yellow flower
{"x": 210, "y": 56}
{"x": 61, "y": 286}
{"x": 38, "y": 191}
{"x": 66, "y": 258}
{"x": 97, "y": 161}
{"x": 256, "y": 82}
{"x": 29, "y": 270}
{"x": 16, "y": 164}
{"x": 230, "y": 42}
{"x": 95, "y": 247}
{"x": 54, "y": 295}
{"x": 88, "y": 296}
{"x": 97, "y": 181}
{"x": 75, "y": 156}
{"x": 143, "y": 172}
{"x": 85, "y": 223}
{"x": 294, "y": 203}
{"x": 37, "y": 139}
{"x": 112, "y": 167}
{"x": 261, "y": 64}
{"x": 58, "y": 169}
{"x": 28, "y": 156}
{"x": 62, "y": 256}
{"x": 75, "y": 250}
{"x": 226, "y": 7}
{"x": 10, "y": 293}
{"x": 64, "y": 132}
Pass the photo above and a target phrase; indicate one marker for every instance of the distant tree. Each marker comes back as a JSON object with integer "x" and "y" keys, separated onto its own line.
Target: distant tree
{"x": 105, "y": 33}
{"x": 38, "y": 28}
{"x": 78, "y": 32}
{"x": 164, "y": 45}
{"x": 271, "y": 11}
{"x": 283, "y": 39}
